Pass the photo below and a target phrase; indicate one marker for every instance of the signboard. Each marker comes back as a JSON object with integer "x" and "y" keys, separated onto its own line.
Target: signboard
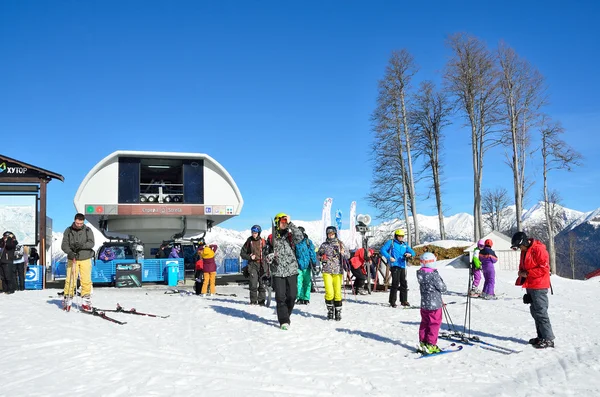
{"x": 18, "y": 214}
{"x": 128, "y": 275}
{"x": 11, "y": 170}
{"x": 172, "y": 209}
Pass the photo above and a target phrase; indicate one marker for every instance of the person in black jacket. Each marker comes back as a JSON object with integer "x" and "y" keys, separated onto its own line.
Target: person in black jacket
{"x": 34, "y": 257}
{"x": 7, "y": 266}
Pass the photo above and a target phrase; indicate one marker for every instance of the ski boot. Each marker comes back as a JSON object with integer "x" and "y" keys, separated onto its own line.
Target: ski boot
{"x": 338, "y": 313}
{"x": 66, "y": 303}
{"x": 330, "y": 314}
{"x": 86, "y": 304}
{"x": 284, "y": 326}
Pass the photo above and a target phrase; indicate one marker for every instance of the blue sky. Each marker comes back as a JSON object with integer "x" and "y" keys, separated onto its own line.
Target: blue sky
{"x": 280, "y": 93}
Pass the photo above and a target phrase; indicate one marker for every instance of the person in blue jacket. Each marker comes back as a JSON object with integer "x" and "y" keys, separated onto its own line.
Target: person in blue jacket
{"x": 307, "y": 259}
{"x": 395, "y": 252}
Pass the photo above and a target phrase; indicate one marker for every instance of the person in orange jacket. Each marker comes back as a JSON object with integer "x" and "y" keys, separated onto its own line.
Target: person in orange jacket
{"x": 534, "y": 276}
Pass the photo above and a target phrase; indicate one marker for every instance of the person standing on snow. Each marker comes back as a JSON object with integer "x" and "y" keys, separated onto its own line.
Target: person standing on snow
{"x": 476, "y": 269}
{"x": 8, "y": 243}
{"x": 307, "y": 260}
{"x": 209, "y": 267}
{"x": 534, "y": 276}
{"x": 488, "y": 257}
{"x": 283, "y": 264}
{"x": 256, "y": 270}
{"x": 432, "y": 287}
{"x": 332, "y": 254}
{"x": 78, "y": 243}
{"x": 358, "y": 268}
{"x": 396, "y": 252}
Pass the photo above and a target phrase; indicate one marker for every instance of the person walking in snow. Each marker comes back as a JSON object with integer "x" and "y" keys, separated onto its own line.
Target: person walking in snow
{"x": 432, "y": 287}
{"x": 534, "y": 276}
{"x": 396, "y": 251}
{"x": 332, "y": 254}
{"x": 78, "y": 243}
{"x": 256, "y": 270}
{"x": 476, "y": 269}
{"x": 209, "y": 267}
{"x": 307, "y": 260}
{"x": 488, "y": 257}
{"x": 281, "y": 257}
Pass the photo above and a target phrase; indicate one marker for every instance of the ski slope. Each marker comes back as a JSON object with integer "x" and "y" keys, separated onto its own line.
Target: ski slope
{"x": 221, "y": 346}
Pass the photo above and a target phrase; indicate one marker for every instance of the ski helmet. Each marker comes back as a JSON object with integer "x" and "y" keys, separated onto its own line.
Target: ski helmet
{"x": 201, "y": 241}
{"x": 480, "y": 244}
{"x": 256, "y": 229}
{"x": 279, "y": 216}
{"x": 489, "y": 243}
{"x": 518, "y": 239}
{"x": 302, "y": 229}
{"x": 427, "y": 259}
{"x": 331, "y": 229}
{"x": 400, "y": 232}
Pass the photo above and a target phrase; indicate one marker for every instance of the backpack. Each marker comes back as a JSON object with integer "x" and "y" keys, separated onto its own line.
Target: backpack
{"x": 19, "y": 251}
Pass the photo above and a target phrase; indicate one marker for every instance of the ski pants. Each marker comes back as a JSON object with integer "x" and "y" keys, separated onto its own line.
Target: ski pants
{"x": 83, "y": 268}
{"x": 398, "y": 278}
{"x": 333, "y": 286}
{"x": 490, "y": 278}
{"x": 539, "y": 312}
{"x": 476, "y": 278}
{"x": 209, "y": 278}
{"x": 304, "y": 283}
{"x": 257, "y": 284}
{"x": 431, "y": 321}
{"x": 7, "y": 273}
{"x": 286, "y": 290}
{"x": 20, "y": 276}
{"x": 359, "y": 279}
{"x": 198, "y": 275}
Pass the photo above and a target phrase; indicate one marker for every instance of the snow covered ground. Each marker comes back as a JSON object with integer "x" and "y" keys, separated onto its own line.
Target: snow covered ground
{"x": 221, "y": 346}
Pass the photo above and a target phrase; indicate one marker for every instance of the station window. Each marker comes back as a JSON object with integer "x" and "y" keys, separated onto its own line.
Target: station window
{"x": 161, "y": 181}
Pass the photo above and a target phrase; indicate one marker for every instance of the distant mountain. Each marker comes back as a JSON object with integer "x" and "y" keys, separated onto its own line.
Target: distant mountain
{"x": 579, "y": 244}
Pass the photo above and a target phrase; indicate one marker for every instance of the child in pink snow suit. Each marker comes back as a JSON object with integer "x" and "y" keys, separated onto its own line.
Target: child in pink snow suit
{"x": 432, "y": 286}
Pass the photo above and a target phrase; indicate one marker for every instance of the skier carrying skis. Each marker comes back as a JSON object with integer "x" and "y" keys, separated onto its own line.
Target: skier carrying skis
{"x": 534, "y": 275}
{"x": 252, "y": 251}
{"x": 476, "y": 269}
{"x": 78, "y": 244}
{"x": 332, "y": 254}
{"x": 284, "y": 265}
{"x": 488, "y": 257}
{"x": 432, "y": 287}
{"x": 307, "y": 260}
{"x": 396, "y": 252}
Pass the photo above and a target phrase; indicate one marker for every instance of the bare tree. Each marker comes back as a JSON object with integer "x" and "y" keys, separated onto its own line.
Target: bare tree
{"x": 471, "y": 76}
{"x": 572, "y": 252}
{"x": 494, "y": 204}
{"x": 391, "y": 124}
{"x": 556, "y": 154}
{"x": 521, "y": 90}
{"x": 429, "y": 116}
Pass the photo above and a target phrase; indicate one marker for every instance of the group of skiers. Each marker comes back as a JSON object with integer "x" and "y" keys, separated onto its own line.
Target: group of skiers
{"x": 484, "y": 259}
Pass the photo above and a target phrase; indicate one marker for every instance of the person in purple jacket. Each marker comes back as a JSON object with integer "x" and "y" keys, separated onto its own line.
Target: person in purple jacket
{"x": 488, "y": 257}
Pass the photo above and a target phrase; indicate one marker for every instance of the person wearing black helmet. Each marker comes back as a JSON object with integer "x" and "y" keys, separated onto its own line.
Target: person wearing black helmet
{"x": 252, "y": 251}
{"x": 534, "y": 276}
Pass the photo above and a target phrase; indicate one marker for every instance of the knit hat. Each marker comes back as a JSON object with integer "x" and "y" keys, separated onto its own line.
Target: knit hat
{"x": 428, "y": 259}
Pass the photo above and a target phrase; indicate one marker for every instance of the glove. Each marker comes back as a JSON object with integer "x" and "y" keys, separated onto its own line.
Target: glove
{"x": 245, "y": 272}
{"x": 270, "y": 257}
{"x": 324, "y": 258}
{"x": 71, "y": 256}
{"x": 77, "y": 247}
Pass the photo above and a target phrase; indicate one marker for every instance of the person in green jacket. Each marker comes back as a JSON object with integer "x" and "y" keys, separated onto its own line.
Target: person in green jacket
{"x": 476, "y": 267}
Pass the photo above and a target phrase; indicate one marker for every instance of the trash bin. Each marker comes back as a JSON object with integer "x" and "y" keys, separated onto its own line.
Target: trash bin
{"x": 172, "y": 273}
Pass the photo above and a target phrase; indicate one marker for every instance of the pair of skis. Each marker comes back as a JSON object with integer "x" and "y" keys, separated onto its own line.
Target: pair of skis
{"x": 474, "y": 340}
{"x": 183, "y": 292}
{"x": 101, "y": 313}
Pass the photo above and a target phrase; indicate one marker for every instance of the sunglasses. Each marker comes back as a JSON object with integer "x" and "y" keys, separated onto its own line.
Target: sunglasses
{"x": 283, "y": 219}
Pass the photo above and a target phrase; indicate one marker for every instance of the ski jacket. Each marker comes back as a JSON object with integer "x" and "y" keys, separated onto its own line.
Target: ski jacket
{"x": 336, "y": 255}
{"x": 256, "y": 247}
{"x": 432, "y": 287}
{"x": 396, "y": 249}
{"x": 107, "y": 256}
{"x": 34, "y": 257}
{"x": 208, "y": 258}
{"x": 476, "y": 261}
{"x": 78, "y": 243}
{"x": 284, "y": 262}
{"x": 198, "y": 262}
{"x": 358, "y": 260}
{"x": 306, "y": 254}
{"x": 536, "y": 262}
{"x": 174, "y": 253}
{"x": 487, "y": 257}
{"x": 8, "y": 250}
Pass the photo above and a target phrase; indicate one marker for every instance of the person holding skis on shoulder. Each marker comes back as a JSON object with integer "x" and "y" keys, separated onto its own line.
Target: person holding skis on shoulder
{"x": 283, "y": 264}
{"x": 534, "y": 276}
{"x": 78, "y": 243}
{"x": 256, "y": 269}
{"x": 332, "y": 254}
{"x": 475, "y": 292}
{"x": 488, "y": 257}
{"x": 396, "y": 251}
{"x": 432, "y": 287}
{"x": 307, "y": 260}
{"x": 207, "y": 253}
